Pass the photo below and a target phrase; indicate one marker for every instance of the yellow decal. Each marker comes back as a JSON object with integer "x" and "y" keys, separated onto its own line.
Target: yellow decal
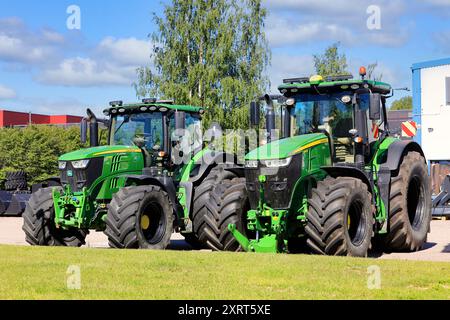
{"x": 117, "y": 151}
{"x": 310, "y": 145}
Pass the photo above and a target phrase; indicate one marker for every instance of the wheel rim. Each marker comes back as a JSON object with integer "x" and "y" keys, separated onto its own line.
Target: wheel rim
{"x": 152, "y": 223}
{"x": 416, "y": 202}
{"x": 356, "y": 223}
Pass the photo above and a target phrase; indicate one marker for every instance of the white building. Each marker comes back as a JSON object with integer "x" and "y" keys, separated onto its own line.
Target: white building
{"x": 431, "y": 111}
{"x": 431, "y": 101}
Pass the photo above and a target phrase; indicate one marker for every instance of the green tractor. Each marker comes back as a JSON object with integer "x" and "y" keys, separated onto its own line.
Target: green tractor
{"x": 154, "y": 177}
{"x": 335, "y": 183}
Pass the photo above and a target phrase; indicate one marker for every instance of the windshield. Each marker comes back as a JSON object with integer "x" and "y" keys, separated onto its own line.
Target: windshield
{"x": 315, "y": 113}
{"x": 140, "y": 128}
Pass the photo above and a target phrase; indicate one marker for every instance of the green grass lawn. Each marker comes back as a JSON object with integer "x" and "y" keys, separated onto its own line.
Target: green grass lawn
{"x": 40, "y": 273}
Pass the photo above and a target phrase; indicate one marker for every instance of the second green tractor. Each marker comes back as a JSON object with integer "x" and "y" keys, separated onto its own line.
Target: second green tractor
{"x": 336, "y": 183}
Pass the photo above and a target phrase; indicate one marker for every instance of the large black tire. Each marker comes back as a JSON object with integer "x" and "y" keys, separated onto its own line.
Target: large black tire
{"x": 340, "y": 218}
{"x": 228, "y": 205}
{"x": 16, "y": 181}
{"x": 140, "y": 217}
{"x": 409, "y": 206}
{"x": 39, "y": 225}
{"x": 16, "y": 175}
{"x": 202, "y": 195}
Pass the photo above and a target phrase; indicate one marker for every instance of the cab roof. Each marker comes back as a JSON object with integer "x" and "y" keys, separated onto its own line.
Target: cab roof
{"x": 153, "y": 107}
{"x": 305, "y": 85}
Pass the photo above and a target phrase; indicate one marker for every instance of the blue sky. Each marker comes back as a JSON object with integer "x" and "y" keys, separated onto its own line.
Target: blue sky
{"x": 44, "y": 67}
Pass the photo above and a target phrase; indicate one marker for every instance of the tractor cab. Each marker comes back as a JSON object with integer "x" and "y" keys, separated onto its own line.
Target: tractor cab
{"x": 158, "y": 128}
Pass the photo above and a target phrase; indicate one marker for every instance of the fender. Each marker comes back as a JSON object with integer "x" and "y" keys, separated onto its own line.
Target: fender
{"x": 346, "y": 171}
{"x": 50, "y": 182}
{"x": 397, "y": 150}
{"x": 221, "y": 158}
{"x": 166, "y": 183}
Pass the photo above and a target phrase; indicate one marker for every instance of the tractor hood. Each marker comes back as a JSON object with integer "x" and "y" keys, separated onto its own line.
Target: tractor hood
{"x": 98, "y": 152}
{"x": 285, "y": 148}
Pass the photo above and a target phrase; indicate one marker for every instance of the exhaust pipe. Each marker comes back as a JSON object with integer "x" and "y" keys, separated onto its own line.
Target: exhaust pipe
{"x": 93, "y": 129}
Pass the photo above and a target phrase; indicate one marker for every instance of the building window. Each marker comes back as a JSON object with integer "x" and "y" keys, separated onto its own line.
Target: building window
{"x": 447, "y": 91}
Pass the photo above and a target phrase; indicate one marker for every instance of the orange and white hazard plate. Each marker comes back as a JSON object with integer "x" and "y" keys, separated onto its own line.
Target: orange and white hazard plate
{"x": 409, "y": 129}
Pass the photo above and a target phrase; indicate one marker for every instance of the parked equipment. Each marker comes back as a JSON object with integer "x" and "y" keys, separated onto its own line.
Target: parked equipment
{"x": 329, "y": 184}
{"x": 441, "y": 203}
{"x": 147, "y": 183}
{"x": 13, "y": 201}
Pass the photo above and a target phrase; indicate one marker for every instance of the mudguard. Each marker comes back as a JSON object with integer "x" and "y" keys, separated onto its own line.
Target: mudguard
{"x": 397, "y": 150}
{"x": 347, "y": 171}
{"x": 166, "y": 183}
{"x": 221, "y": 158}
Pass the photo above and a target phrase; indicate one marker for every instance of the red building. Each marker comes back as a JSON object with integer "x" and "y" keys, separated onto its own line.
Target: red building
{"x": 13, "y": 119}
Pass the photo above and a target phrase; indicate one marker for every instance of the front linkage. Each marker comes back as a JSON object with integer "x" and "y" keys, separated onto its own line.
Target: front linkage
{"x": 269, "y": 225}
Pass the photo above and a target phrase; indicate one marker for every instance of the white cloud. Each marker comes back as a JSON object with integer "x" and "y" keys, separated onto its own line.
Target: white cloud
{"x": 281, "y": 32}
{"x": 293, "y": 22}
{"x": 64, "y": 59}
{"x": 20, "y": 45}
{"x": 86, "y": 72}
{"x": 7, "y": 93}
{"x": 128, "y": 51}
{"x": 113, "y": 62}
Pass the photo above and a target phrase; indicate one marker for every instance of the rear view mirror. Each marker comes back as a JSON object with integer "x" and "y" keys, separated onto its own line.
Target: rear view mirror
{"x": 375, "y": 106}
{"x": 255, "y": 114}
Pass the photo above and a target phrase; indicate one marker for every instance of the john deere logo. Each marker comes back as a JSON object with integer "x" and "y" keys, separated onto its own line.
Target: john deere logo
{"x": 69, "y": 173}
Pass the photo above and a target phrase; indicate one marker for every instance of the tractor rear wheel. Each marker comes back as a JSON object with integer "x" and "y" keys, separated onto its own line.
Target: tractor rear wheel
{"x": 202, "y": 195}
{"x": 228, "y": 205}
{"x": 39, "y": 225}
{"x": 409, "y": 205}
{"x": 140, "y": 217}
{"x": 340, "y": 218}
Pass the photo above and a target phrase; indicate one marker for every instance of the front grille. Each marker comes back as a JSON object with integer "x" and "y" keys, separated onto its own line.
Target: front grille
{"x": 81, "y": 178}
{"x": 279, "y": 185}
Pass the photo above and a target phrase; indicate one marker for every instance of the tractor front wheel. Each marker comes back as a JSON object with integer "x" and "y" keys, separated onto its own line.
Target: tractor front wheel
{"x": 409, "y": 206}
{"x": 228, "y": 204}
{"x": 202, "y": 196}
{"x": 140, "y": 217}
{"x": 340, "y": 218}
{"x": 39, "y": 223}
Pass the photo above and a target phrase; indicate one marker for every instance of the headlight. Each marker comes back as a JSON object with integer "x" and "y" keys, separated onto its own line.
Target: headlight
{"x": 80, "y": 164}
{"x": 277, "y": 163}
{"x": 62, "y": 165}
{"x": 253, "y": 164}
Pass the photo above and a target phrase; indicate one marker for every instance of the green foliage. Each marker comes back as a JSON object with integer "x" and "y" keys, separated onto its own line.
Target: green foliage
{"x": 211, "y": 54}
{"x": 36, "y": 150}
{"x": 331, "y": 62}
{"x": 405, "y": 103}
